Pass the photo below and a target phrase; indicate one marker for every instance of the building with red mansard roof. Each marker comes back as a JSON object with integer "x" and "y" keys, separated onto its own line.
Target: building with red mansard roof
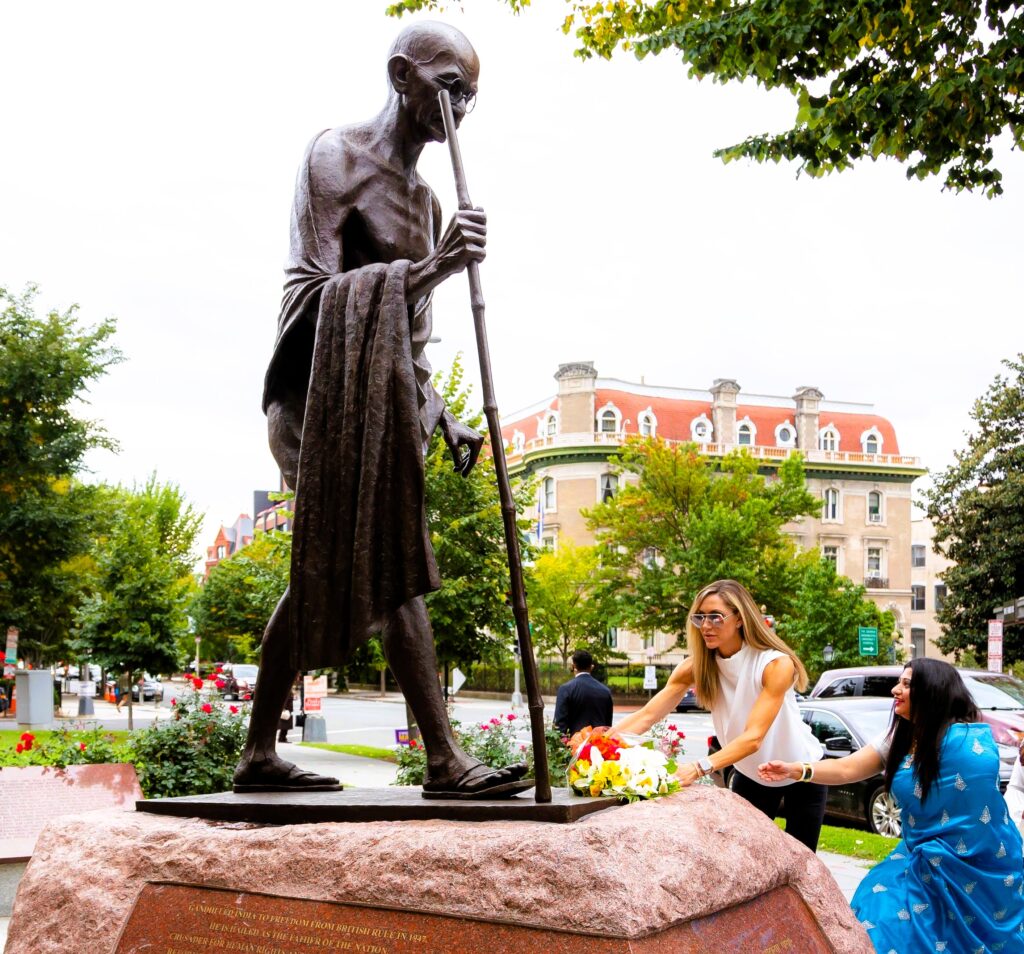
{"x": 851, "y": 456}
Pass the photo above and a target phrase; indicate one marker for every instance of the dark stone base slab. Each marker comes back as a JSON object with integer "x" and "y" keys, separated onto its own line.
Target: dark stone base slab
{"x": 371, "y": 805}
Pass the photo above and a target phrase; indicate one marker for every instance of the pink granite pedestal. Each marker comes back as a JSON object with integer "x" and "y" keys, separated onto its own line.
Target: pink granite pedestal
{"x": 699, "y": 871}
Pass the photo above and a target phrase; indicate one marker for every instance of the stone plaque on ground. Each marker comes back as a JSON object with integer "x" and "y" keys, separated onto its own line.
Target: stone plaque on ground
{"x": 185, "y": 919}
{"x": 33, "y": 795}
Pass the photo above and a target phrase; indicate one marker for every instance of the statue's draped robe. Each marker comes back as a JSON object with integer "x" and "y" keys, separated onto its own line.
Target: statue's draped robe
{"x": 360, "y": 546}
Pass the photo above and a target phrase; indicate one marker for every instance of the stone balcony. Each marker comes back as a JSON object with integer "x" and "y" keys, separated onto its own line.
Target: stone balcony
{"x": 612, "y": 439}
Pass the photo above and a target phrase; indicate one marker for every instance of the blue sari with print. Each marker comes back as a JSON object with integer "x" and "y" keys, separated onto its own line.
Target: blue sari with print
{"x": 955, "y": 882}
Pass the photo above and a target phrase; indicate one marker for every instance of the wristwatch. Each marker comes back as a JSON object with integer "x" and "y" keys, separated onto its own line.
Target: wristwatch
{"x": 704, "y": 766}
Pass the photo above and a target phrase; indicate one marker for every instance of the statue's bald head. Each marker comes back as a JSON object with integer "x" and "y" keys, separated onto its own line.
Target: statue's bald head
{"x": 423, "y": 42}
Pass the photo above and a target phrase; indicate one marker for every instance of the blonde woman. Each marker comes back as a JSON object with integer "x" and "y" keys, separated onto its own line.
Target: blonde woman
{"x": 745, "y": 675}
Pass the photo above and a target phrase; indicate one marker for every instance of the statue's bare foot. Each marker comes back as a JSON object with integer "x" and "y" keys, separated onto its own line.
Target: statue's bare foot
{"x": 479, "y": 781}
{"x": 276, "y": 775}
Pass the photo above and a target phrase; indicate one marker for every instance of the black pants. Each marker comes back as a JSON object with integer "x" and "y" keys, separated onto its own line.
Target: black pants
{"x": 803, "y": 805}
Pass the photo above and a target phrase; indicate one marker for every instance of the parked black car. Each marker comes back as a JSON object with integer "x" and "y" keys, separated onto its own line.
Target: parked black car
{"x": 689, "y": 702}
{"x": 843, "y": 726}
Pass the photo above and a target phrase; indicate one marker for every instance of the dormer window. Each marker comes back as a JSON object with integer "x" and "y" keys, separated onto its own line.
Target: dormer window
{"x": 828, "y": 438}
{"x": 518, "y": 442}
{"x": 549, "y": 426}
{"x": 647, "y": 423}
{"x": 871, "y": 441}
{"x": 608, "y": 420}
{"x": 785, "y": 435}
{"x": 746, "y": 433}
{"x": 701, "y": 429}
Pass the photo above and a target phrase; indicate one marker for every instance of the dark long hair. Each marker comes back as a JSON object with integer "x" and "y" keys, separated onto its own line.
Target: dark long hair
{"x": 938, "y": 698}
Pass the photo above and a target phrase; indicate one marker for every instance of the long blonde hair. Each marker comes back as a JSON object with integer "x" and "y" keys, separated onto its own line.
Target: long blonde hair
{"x": 756, "y": 633}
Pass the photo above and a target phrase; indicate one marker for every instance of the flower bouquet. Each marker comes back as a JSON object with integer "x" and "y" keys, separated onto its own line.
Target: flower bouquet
{"x": 604, "y": 763}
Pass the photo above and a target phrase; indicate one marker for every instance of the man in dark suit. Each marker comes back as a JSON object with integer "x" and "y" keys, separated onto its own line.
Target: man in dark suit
{"x": 582, "y": 701}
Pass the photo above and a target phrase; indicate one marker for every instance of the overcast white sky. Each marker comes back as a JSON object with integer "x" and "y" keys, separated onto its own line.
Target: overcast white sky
{"x": 146, "y": 168}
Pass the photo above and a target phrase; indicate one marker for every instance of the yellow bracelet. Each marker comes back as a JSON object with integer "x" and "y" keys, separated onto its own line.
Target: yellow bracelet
{"x": 808, "y": 773}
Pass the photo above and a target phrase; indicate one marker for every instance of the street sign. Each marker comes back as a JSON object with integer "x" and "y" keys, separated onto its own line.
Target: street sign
{"x": 458, "y": 681}
{"x": 312, "y": 703}
{"x": 315, "y": 687}
{"x": 868, "y": 638}
{"x": 995, "y": 645}
{"x": 401, "y": 736}
{"x": 650, "y": 677}
{"x": 11, "y": 655}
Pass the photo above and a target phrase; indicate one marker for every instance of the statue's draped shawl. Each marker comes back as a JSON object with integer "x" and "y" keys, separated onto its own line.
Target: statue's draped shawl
{"x": 360, "y": 547}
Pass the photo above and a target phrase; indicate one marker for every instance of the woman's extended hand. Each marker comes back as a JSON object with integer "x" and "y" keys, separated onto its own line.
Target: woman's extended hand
{"x": 687, "y": 774}
{"x": 776, "y": 771}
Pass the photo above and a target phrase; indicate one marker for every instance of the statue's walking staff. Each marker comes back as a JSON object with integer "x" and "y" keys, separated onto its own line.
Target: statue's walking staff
{"x": 542, "y": 792}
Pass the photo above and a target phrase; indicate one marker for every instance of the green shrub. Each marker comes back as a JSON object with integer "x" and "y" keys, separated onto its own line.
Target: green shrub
{"x": 194, "y": 753}
{"x": 495, "y": 743}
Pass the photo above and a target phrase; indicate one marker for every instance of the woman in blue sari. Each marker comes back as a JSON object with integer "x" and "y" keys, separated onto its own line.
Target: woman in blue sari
{"x": 955, "y": 882}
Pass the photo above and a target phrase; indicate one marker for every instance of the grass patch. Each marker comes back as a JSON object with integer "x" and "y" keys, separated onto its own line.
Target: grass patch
{"x": 11, "y": 737}
{"x": 852, "y": 842}
{"x": 363, "y": 751}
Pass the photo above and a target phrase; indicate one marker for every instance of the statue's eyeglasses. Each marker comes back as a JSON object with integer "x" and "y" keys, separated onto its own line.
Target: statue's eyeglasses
{"x": 458, "y": 90}
{"x": 715, "y": 619}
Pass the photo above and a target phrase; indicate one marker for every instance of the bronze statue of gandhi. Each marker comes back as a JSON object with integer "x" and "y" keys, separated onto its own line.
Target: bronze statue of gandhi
{"x": 350, "y": 408}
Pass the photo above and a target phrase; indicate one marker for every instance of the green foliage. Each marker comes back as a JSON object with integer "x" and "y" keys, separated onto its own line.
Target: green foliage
{"x": 929, "y": 84}
{"x": 467, "y": 534}
{"x": 194, "y": 753}
{"x": 853, "y": 843}
{"x": 232, "y": 608}
{"x": 691, "y": 520}
{"x": 46, "y": 517}
{"x": 135, "y": 614}
{"x": 975, "y": 506}
{"x": 496, "y": 743}
{"x": 828, "y": 609}
{"x": 567, "y": 603}
{"x": 65, "y": 746}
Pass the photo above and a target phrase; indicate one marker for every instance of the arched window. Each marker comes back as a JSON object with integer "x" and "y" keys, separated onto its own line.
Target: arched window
{"x": 547, "y": 426}
{"x": 871, "y": 441}
{"x": 828, "y": 438}
{"x": 609, "y": 487}
{"x": 609, "y": 420}
{"x": 785, "y": 435}
{"x": 831, "y": 508}
{"x": 746, "y": 433}
{"x": 549, "y": 493}
{"x": 647, "y": 423}
{"x": 701, "y": 429}
{"x": 874, "y": 507}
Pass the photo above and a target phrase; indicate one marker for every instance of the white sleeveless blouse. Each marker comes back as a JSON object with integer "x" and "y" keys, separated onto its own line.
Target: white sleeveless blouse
{"x": 788, "y": 738}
